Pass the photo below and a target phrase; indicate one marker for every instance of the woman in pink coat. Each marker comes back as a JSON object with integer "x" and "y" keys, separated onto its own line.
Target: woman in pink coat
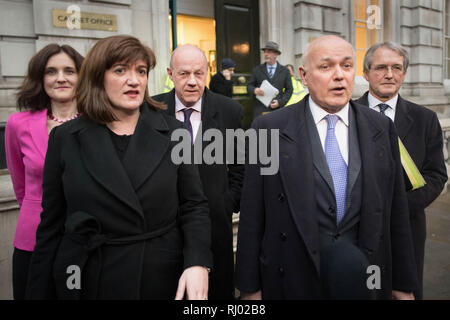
{"x": 46, "y": 100}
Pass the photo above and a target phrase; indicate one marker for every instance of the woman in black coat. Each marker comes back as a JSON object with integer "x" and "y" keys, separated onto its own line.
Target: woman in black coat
{"x": 120, "y": 220}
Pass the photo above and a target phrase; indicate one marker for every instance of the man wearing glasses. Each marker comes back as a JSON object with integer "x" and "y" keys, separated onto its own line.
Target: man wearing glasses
{"x": 385, "y": 66}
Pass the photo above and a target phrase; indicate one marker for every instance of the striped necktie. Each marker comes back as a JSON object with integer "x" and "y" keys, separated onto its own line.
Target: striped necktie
{"x": 271, "y": 71}
{"x": 383, "y": 107}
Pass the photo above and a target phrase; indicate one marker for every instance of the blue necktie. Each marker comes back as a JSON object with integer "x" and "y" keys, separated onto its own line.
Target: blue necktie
{"x": 383, "y": 107}
{"x": 271, "y": 69}
{"x": 187, "y": 121}
{"x": 337, "y": 166}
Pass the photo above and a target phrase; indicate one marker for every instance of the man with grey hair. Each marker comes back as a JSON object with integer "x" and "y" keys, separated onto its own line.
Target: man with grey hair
{"x": 201, "y": 109}
{"x": 385, "y": 66}
{"x": 329, "y": 224}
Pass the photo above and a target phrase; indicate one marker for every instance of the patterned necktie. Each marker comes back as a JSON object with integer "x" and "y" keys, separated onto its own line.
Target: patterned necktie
{"x": 271, "y": 71}
{"x": 337, "y": 165}
{"x": 383, "y": 107}
{"x": 187, "y": 121}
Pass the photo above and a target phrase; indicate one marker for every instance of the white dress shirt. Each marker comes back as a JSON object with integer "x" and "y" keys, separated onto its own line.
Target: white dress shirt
{"x": 196, "y": 116}
{"x": 392, "y": 103}
{"x": 340, "y": 130}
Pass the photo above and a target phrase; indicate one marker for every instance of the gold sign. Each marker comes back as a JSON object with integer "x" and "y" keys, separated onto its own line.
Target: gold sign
{"x": 84, "y": 20}
{"x": 239, "y": 89}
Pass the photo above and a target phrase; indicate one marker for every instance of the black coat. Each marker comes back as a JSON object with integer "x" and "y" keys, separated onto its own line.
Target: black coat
{"x": 278, "y": 240}
{"x": 132, "y": 226}
{"x": 280, "y": 80}
{"x": 421, "y": 133}
{"x": 222, "y": 185}
{"x": 220, "y": 85}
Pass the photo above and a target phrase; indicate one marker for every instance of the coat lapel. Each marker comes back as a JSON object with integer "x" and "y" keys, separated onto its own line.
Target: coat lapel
{"x": 296, "y": 171}
{"x": 147, "y": 146}
{"x": 209, "y": 112}
{"x": 102, "y": 163}
{"x": 37, "y": 125}
{"x": 403, "y": 121}
{"x": 373, "y": 151}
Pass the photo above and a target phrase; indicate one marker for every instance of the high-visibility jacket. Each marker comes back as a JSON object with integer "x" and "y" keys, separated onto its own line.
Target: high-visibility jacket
{"x": 298, "y": 92}
{"x": 168, "y": 86}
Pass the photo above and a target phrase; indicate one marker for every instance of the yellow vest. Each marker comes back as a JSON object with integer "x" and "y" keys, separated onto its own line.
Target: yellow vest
{"x": 168, "y": 86}
{"x": 298, "y": 92}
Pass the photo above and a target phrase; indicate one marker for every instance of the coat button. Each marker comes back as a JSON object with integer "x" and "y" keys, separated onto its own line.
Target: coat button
{"x": 283, "y": 236}
{"x": 331, "y": 209}
{"x": 281, "y": 271}
{"x": 336, "y": 237}
{"x": 281, "y": 197}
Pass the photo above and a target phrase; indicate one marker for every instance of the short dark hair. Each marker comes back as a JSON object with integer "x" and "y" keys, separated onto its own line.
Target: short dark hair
{"x": 31, "y": 94}
{"x": 92, "y": 99}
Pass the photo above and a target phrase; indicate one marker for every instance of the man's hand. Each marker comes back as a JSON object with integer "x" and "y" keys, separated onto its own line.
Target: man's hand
{"x": 400, "y": 295}
{"x": 193, "y": 281}
{"x": 259, "y": 92}
{"x": 251, "y": 296}
{"x": 274, "y": 104}
{"x": 227, "y": 74}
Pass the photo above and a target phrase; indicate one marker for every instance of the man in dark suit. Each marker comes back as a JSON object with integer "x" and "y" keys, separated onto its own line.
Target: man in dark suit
{"x": 272, "y": 71}
{"x": 337, "y": 204}
{"x": 198, "y": 107}
{"x": 385, "y": 66}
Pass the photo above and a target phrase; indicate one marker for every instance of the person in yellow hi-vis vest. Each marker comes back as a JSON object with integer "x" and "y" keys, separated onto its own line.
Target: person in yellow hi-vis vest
{"x": 168, "y": 85}
{"x": 298, "y": 90}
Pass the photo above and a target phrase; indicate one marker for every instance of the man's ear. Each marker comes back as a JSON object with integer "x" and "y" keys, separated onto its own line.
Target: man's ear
{"x": 169, "y": 72}
{"x": 302, "y": 72}
{"x": 366, "y": 76}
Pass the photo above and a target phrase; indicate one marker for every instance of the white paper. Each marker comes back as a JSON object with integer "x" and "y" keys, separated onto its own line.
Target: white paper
{"x": 270, "y": 92}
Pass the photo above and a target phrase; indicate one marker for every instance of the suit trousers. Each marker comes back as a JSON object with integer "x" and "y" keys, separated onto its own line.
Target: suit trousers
{"x": 419, "y": 234}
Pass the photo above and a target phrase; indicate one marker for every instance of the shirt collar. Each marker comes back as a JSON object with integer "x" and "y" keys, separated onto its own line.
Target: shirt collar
{"x": 274, "y": 65}
{"x": 319, "y": 114}
{"x": 373, "y": 102}
{"x": 179, "y": 106}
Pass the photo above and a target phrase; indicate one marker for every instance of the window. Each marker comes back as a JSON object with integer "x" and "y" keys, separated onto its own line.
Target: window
{"x": 201, "y": 32}
{"x": 368, "y": 23}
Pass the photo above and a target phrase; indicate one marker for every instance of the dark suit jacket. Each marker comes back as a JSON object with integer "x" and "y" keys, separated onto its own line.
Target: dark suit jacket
{"x": 222, "y": 185}
{"x": 220, "y": 85}
{"x": 278, "y": 240}
{"x": 421, "y": 133}
{"x": 280, "y": 80}
{"x": 93, "y": 204}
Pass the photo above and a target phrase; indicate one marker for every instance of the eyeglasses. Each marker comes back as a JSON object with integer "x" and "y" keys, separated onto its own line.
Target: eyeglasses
{"x": 383, "y": 69}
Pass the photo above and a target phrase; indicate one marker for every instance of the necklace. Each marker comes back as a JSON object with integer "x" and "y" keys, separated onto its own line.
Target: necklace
{"x": 51, "y": 117}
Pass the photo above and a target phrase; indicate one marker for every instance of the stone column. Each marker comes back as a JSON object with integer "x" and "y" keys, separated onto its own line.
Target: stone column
{"x": 150, "y": 23}
{"x": 276, "y": 23}
{"x": 421, "y": 24}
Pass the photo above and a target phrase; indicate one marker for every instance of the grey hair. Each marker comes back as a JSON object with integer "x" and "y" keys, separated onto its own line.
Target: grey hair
{"x": 389, "y": 45}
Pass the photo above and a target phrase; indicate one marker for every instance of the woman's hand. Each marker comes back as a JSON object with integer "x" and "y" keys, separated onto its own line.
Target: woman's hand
{"x": 193, "y": 281}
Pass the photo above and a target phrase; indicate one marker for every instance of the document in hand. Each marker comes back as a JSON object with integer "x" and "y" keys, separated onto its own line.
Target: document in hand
{"x": 270, "y": 92}
{"x": 414, "y": 176}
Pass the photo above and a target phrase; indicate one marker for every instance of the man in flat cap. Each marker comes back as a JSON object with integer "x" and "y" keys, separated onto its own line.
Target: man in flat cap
{"x": 276, "y": 74}
{"x": 221, "y": 82}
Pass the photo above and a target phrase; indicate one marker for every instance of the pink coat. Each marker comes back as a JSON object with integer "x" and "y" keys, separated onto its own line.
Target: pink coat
{"x": 26, "y": 140}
